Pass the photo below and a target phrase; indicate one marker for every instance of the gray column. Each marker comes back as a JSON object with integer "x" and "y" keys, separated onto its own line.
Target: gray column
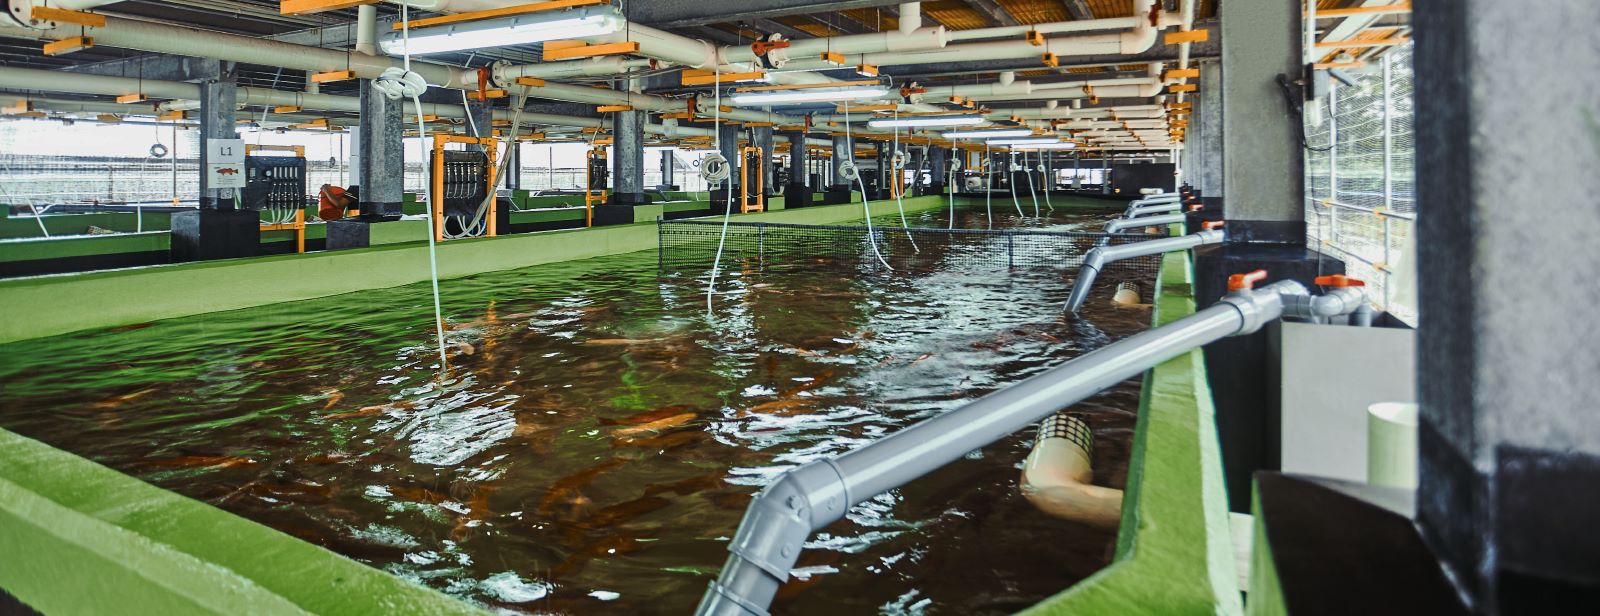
{"x": 218, "y": 101}
{"x": 936, "y": 169}
{"x": 382, "y": 155}
{"x": 729, "y": 134}
{"x": 880, "y": 159}
{"x": 627, "y": 157}
{"x": 799, "y": 167}
{"x": 1264, "y": 172}
{"x": 666, "y": 168}
{"x": 842, "y": 150}
{"x": 1206, "y": 117}
{"x": 918, "y": 154}
{"x": 514, "y": 168}
{"x": 1506, "y": 354}
{"x": 763, "y": 139}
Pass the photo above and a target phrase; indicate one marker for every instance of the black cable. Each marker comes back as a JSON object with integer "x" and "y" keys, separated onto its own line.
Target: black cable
{"x": 1297, "y": 107}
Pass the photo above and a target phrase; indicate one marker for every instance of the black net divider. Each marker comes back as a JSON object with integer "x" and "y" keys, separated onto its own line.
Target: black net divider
{"x": 688, "y": 247}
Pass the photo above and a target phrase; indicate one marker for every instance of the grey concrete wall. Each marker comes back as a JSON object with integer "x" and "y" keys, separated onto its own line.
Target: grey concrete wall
{"x": 1264, "y": 166}
{"x": 1508, "y": 139}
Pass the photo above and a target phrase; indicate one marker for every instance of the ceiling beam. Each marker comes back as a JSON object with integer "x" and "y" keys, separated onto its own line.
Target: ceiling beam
{"x": 1078, "y": 9}
{"x": 994, "y": 12}
{"x": 838, "y": 21}
{"x": 675, "y": 14}
{"x": 771, "y": 26}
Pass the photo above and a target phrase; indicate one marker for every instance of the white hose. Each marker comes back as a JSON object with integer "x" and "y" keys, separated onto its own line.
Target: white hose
{"x": 1011, "y": 177}
{"x": 988, "y": 186}
{"x": 848, "y": 171}
{"x": 897, "y": 163}
{"x": 1031, "y": 191}
{"x": 395, "y": 83}
{"x": 709, "y": 167}
{"x": 950, "y": 187}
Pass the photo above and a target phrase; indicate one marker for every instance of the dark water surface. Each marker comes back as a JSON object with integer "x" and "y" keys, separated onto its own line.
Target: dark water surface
{"x": 598, "y": 436}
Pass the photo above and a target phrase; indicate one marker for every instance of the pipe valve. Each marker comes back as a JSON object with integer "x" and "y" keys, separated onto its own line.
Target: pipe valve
{"x": 1212, "y": 224}
{"x": 1338, "y": 281}
{"x": 1243, "y": 282}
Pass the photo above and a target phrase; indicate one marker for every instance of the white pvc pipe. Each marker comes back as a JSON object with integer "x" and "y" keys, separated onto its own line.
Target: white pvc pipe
{"x": 367, "y": 29}
{"x": 910, "y": 17}
{"x": 201, "y": 43}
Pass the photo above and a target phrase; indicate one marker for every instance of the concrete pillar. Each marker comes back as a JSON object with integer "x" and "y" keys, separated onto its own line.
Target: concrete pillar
{"x": 382, "y": 155}
{"x": 1506, "y": 352}
{"x": 514, "y": 168}
{"x": 1264, "y": 174}
{"x": 798, "y": 192}
{"x": 728, "y": 134}
{"x": 1077, "y": 161}
{"x": 482, "y": 124}
{"x": 218, "y": 229}
{"x": 666, "y": 169}
{"x": 763, "y": 139}
{"x": 936, "y": 170}
{"x": 880, "y": 161}
{"x": 218, "y": 102}
{"x": 1207, "y": 117}
{"x": 842, "y": 149}
{"x": 627, "y": 158}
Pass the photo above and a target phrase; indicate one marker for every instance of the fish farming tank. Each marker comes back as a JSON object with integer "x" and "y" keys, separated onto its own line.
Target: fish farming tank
{"x": 599, "y": 430}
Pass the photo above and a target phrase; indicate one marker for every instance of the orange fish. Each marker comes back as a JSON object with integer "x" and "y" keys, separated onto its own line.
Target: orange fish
{"x": 655, "y": 426}
{"x": 202, "y": 462}
{"x": 647, "y": 416}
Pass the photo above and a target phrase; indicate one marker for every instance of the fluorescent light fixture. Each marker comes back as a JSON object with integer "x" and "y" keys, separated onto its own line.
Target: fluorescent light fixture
{"x": 504, "y": 31}
{"x": 1060, "y": 145}
{"x": 809, "y": 95}
{"x": 918, "y": 121}
{"x": 987, "y": 134}
{"x": 1026, "y": 141}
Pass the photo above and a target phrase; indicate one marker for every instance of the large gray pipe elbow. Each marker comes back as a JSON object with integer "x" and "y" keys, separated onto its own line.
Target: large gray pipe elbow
{"x": 775, "y": 526}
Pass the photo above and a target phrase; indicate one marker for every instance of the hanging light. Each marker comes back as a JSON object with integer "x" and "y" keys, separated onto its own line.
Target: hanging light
{"x": 988, "y": 134}
{"x": 919, "y": 121}
{"x": 504, "y": 31}
{"x": 809, "y": 95}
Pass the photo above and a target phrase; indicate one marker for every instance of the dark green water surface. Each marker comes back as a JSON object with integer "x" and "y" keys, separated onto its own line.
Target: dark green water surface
{"x": 598, "y": 435}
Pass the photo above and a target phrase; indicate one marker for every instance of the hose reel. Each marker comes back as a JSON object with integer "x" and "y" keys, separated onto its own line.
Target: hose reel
{"x": 714, "y": 168}
{"x": 396, "y": 82}
{"x": 898, "y": 160}
{"x": 158, "y": 151}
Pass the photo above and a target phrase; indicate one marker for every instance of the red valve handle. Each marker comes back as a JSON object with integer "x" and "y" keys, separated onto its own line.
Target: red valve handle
{"x": 1338, "y": 281}
{"x": 1212, "y": 224}
{"x": 1238, "y": 282}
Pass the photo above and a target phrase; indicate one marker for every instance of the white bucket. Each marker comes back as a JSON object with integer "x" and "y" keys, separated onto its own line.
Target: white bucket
{"x": 1392, "y": 444}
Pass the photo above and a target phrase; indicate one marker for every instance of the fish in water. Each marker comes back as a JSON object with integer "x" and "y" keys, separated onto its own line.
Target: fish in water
{"x": 655, "y": 426}
{"x": 610, "y": 545}
{"x": 620, "y": 341}
{"x": 567, "y": 487}
{"x": 672, "y": 440}
{"x": 116, "y": 401}
{"x": 201, "y": 462}
{"x": 368, "y": 411}
{"x": 647, "y": 416}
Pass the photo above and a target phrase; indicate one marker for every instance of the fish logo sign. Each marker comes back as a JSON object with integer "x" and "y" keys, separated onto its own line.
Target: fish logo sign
{"x": 227, "y": 171}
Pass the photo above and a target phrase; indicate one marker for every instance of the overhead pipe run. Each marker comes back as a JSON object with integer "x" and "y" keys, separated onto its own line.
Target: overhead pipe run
{"x": 808, "y": 498}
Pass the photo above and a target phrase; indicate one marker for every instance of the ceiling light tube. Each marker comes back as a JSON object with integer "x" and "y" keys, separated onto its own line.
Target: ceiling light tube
{"x": 504, "y": 31}
{"x": 988, "y": 134}
{"x": 1027, "y": 141}
{"x": 809, "y": 95}
{"x": 1059, "y": 145}
{"x": 921, "y": 121}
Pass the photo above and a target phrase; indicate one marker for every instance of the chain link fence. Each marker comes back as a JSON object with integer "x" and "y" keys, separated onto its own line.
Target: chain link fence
{"x": 1360, "y": 202}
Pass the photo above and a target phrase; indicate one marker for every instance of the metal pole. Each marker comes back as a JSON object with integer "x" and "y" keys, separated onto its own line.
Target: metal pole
{"x": 1333, "y": 166}
{"x": 1388, "y": 173}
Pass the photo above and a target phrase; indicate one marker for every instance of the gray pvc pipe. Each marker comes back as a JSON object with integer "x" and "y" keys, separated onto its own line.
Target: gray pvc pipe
{"x": 1120, "y": 224}
{"x": 816, "y": 494}
{"x": 1155, "y": 208}
{"x": 1097, "y": 258}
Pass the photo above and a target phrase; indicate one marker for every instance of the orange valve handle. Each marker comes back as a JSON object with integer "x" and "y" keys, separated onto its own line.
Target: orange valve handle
{"x": 1338, "y": 281}
{"x": 1212, "y": 224}
{"x": 1197, "y": 207}
{"x": 761, "y": 48}
{"x": 1239, "y": 282}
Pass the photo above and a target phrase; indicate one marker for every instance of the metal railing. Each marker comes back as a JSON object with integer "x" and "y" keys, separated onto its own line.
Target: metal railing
{"x": 1359, "y": 177}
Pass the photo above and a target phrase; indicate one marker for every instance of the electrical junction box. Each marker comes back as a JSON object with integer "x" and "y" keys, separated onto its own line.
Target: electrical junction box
{"x": 225, "y": 163}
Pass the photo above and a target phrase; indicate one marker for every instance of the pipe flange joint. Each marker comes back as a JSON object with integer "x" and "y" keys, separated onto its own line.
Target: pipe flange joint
{"x": 719, "y": 600}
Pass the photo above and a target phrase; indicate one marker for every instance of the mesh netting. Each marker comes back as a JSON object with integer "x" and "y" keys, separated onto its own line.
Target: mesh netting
{"x": 688, "y": 247}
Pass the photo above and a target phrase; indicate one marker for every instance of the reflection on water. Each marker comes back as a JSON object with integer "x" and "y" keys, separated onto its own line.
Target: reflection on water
{"x": 598, "y": 437}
